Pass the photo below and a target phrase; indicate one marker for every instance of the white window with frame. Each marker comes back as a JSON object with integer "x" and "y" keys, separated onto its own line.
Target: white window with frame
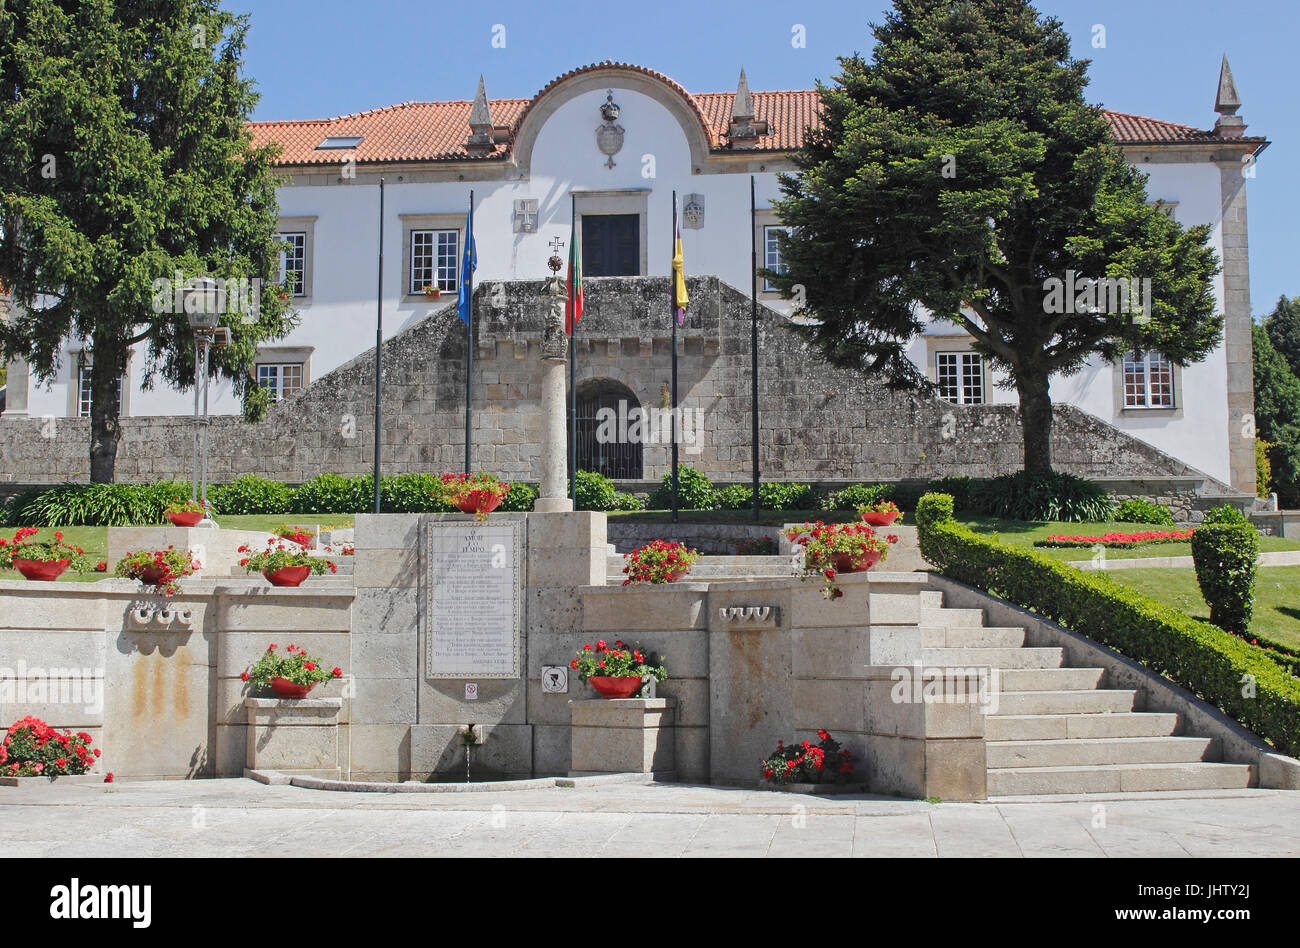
{"x": 84, "y": 391}
{"x": 435, "y": 260}
{"x": 1148, "y": 380}
{"x": 960, "y": 377}
{"x": 293, "y": 262}
{"x": 772, "y": 253}
{"x": 282, "y": 379}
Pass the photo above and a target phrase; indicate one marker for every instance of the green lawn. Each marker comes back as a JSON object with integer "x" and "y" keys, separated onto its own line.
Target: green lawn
{"x": 1277, "y": 597}
{"x": 1025, "y": 533}
{"x": 94, "y": 539}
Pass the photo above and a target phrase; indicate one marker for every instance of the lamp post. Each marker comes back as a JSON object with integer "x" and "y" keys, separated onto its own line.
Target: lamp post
{"x": 201, "y": 305}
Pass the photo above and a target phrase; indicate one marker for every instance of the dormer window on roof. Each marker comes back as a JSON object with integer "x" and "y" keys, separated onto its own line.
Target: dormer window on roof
{"x": 340, "y": 142}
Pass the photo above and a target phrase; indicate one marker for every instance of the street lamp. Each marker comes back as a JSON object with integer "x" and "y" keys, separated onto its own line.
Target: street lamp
{"x": 201, "y": 308}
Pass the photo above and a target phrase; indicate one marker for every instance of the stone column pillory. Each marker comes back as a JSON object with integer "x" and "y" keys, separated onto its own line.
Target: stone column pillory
{"x": 554, "y": 494}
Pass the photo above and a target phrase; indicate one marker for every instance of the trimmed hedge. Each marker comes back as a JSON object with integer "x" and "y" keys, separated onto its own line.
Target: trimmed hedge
{"x": 250, "y": 494}
{"x": 1225, "y": 554}
{"x": 694, "y": 491}
{"x": 1202, "y": 657}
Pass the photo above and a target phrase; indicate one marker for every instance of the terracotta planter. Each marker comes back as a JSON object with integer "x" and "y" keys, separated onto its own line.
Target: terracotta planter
{"x": 185, "y": 519}
{"x": 287, "y": 575}
{"x": 880, "y": 519}
{"x": 848, "y": 563}
{"x": 284, "y": 688}
{"x": 151, "y": 575}
{"x": 621, "y": 687}
{"x": 41, "y": 571}
{"x": 480, "y": 501}
{"x": 434, "y": 295}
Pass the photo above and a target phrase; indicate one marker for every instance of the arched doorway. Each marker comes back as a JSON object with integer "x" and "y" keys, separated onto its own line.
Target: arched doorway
{"x": 606, "y": 410}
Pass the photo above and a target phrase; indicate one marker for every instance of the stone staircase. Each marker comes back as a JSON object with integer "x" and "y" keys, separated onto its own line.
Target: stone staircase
{"x": 1061, "y": 730}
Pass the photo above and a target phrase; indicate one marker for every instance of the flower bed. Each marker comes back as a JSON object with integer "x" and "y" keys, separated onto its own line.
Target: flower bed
{"x": 34, "y": 749}
{"x": 1121, "y": 540}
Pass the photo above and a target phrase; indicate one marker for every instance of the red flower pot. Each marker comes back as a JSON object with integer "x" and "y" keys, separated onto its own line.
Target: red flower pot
{"x": 621, "y": 687}
{"x": 848, "y": 563}
{"x": 185, "y": 519}
{"x": 42, "y": 571}
{"x": 480, "y": 501}
{"x": 880, "y": 519}
{"x": 677, "y": 574}
{"x": 284, "y": 688}
{"x": 151, "y": 575}
{"x": 287, "y": 575}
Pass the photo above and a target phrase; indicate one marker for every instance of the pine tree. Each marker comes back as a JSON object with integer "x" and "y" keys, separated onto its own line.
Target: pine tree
{"x": 1277, "y": 415}
{"x": 1283, "y": 327}
{"x": 958, "y": 171}
{"x": 125, "y": 158}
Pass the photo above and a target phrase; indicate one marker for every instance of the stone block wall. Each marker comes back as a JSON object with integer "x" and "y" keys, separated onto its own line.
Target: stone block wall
{"x": 816, "y": 423}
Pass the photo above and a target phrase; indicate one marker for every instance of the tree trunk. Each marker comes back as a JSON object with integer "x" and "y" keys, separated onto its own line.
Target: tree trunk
{"x": 1036, "y": 421}
{"x": 105, "y": 431}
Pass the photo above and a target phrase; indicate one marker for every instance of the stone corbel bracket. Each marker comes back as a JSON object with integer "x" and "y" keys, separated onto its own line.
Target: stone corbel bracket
{"x": 752, "y": 617}
{"x": 153, "y": 616}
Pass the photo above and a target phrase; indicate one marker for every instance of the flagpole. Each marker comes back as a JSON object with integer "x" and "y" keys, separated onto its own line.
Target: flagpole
{"x": 672, "y": 310}
{"x": 469, "y": 332}
{"x": 573, "y": 361}
{"x": 379, "y": 349}
{"x": 753, "y": 343}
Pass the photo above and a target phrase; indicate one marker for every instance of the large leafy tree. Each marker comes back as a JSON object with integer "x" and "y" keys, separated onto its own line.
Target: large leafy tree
{"x": 1283, "y": 328}
{"x": 124, "y": 158}
{"x": 955, "y": 173}
{"x": 1277, "y": 415}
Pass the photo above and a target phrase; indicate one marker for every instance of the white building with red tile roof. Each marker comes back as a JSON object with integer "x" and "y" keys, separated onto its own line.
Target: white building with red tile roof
{"x": 614, "y": 141}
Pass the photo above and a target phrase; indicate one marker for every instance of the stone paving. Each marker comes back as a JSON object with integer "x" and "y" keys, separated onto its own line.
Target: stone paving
{"x": 234, "y": 818}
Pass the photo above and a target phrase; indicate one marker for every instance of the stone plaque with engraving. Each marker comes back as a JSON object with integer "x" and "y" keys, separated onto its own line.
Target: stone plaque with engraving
{"x": 474, "y": 600}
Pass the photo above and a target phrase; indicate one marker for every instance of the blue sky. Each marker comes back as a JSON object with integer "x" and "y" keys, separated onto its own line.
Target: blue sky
{"x": 318, "y": 58}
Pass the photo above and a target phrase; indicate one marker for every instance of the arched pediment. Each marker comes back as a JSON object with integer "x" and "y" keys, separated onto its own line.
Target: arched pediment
{"x": 600, "y": 76}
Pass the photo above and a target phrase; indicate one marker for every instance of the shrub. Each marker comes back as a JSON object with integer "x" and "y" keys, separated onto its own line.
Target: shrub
{"x": 594, "y": 491}
{"x": 334, "y": 494}
{"x": 1263, "y": 468}
{"x": 1051, "y": 496}
{"x": 1141, "y": 510}
{"x": 407, "y": 493}
{"x": 1226, "y": 513}
{"x": 519, "y": 498}
{"x": 736, "y": 497}
{"x": 1225, "y": 554}
{"x": 855, "y": 496}
{"x": 806, "y": 762}
{"x": 95, "y": 505}
{"x": 782, "y": 496}
{"x": 694, "y": 491}
{"x": 961, "y": 488}
{"x": 250, "y": 494}
{"x": 1195, "y": 654}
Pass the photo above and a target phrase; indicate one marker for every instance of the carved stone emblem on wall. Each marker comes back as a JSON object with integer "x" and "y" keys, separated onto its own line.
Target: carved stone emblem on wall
{"x": 525, "y": 218}
{"x": 609, "y": 136}
{"x": 693, "y": 211}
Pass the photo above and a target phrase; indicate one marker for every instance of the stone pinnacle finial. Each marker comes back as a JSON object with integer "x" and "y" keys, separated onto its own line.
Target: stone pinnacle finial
{"x": 480, "y": 117}
{"x": 1226, "y": 103}
{"x": 742, "y": 108}
{"x": 480, "y": 140}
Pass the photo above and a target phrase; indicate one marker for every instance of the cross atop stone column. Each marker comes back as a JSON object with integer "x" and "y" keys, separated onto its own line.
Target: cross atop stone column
{"x": 554, "y": 493}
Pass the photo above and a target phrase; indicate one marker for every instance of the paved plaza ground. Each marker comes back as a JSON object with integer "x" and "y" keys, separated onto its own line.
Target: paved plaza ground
{"x": 237, "y": 818}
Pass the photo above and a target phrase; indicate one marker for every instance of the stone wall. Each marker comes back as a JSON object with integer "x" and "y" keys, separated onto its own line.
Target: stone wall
{"x": 817, "y": 423}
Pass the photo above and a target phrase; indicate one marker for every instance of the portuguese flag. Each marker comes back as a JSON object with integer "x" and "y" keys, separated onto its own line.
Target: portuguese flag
{"x": 573, "y": 305}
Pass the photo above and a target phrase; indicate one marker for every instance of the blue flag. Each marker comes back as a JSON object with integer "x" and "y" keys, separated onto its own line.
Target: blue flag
{"x": 469, "y": 263}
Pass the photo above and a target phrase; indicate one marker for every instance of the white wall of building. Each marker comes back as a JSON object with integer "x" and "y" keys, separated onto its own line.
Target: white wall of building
{"x": 339, "y": 322}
